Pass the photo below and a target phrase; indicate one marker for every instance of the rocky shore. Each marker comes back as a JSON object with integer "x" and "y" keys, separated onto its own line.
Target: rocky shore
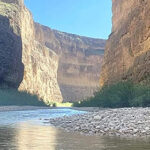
{"x": 130, "y": 122}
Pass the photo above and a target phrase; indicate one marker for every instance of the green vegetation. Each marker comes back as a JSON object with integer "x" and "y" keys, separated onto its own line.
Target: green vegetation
{"x": 56, "y": 104}
{"x": 14, "y": 97}
{"x": 119, "y": 95}
{"x": 122, "y": 94}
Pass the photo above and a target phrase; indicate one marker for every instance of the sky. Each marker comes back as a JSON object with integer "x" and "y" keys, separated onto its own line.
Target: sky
{"x": 90, "y": 18}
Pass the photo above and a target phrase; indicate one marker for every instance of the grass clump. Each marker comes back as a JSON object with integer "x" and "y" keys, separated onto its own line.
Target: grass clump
{"x": 119, "y": 95}
{"x": 14, "y": 97}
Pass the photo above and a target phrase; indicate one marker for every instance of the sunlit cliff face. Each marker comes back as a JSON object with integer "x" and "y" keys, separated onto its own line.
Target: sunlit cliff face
{"x": 80, "y": 60}
{"x": 41, "y": 64}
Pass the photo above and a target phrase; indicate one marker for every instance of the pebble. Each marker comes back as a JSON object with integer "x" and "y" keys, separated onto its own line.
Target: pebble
{"x": 118, "y": 122}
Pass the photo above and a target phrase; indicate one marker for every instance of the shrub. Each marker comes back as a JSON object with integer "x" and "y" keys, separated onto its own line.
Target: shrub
{"x": 121, "y": 94}
{"x": 57, "y": 104}
{"x": 14, "y": 97}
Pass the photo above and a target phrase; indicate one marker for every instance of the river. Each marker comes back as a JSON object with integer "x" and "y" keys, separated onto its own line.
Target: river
{"x": 28, "y": 130}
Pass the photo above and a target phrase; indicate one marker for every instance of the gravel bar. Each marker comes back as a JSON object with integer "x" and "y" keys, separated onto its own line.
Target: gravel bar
{"x": 113, "y": 122}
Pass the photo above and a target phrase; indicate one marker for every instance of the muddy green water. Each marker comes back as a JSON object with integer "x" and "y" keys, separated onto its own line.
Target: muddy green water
{"x": 25, "y": 130}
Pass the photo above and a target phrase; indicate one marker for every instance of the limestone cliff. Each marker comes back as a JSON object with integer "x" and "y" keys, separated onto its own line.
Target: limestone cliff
{"x": 127, "y": 54}
{"x": 79, "y": 63}
{"x": 40, "y": 63}
{"x": 11, "y": 66}
{"x": 29, "y": 54}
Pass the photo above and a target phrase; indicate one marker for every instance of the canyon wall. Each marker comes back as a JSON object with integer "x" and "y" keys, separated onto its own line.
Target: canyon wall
{"x": 31, "y": 54}
{"x": 19, "y": 45}
{"x": 80, "y": 60}
{"x": 11, "y": 66}
{"x": 127, "y": 54}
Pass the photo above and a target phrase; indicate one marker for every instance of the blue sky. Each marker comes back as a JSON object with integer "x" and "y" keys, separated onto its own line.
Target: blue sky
{"x": 90, "y": 18}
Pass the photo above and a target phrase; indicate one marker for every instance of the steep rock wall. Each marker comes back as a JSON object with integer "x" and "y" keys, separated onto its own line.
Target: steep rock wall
{"x": 40, "y": 63}
{"x": 11, "y": 66}
{"x": 79, "y": 63}
{"x": 127, "y": 54}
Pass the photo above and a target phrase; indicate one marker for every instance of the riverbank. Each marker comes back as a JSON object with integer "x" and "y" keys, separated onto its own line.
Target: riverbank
{"x": 20, "y": 108}
{"x": 130, "y": 122}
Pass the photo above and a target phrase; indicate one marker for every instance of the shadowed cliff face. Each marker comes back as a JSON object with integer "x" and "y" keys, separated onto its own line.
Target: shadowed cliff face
{"x": 79, "y": 64}
{"x": 128, "y": 49}
{"x": 11, "y": 66}
{"x": 17, "y": 45}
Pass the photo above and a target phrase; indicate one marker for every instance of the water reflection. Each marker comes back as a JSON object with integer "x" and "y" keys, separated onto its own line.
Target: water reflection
{"x": 27, "y": 136}
{"x": 24, "y": 130}
{"x": 35, "y": 137}
{"x": 7, "y": 138}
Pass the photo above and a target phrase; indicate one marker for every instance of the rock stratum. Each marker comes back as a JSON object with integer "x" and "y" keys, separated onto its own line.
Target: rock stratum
{"x": 127, "y": 54}
{"x": 80, "y": 60}
{"x": 24, "y": 62}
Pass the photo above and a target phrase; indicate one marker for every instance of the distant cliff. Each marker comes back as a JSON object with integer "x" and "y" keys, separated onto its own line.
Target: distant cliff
{"x": 23, "y": 59}
{"x": 80, "y": 60}
{"x": 127, "y": 54}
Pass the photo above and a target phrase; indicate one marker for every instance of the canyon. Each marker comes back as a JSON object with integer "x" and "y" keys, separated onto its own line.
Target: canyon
{"x": 127, "y": 53}
{"x": 26, "y": 64}
{"x": 80, "y": 60}
{"x": 54, "y": 65}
